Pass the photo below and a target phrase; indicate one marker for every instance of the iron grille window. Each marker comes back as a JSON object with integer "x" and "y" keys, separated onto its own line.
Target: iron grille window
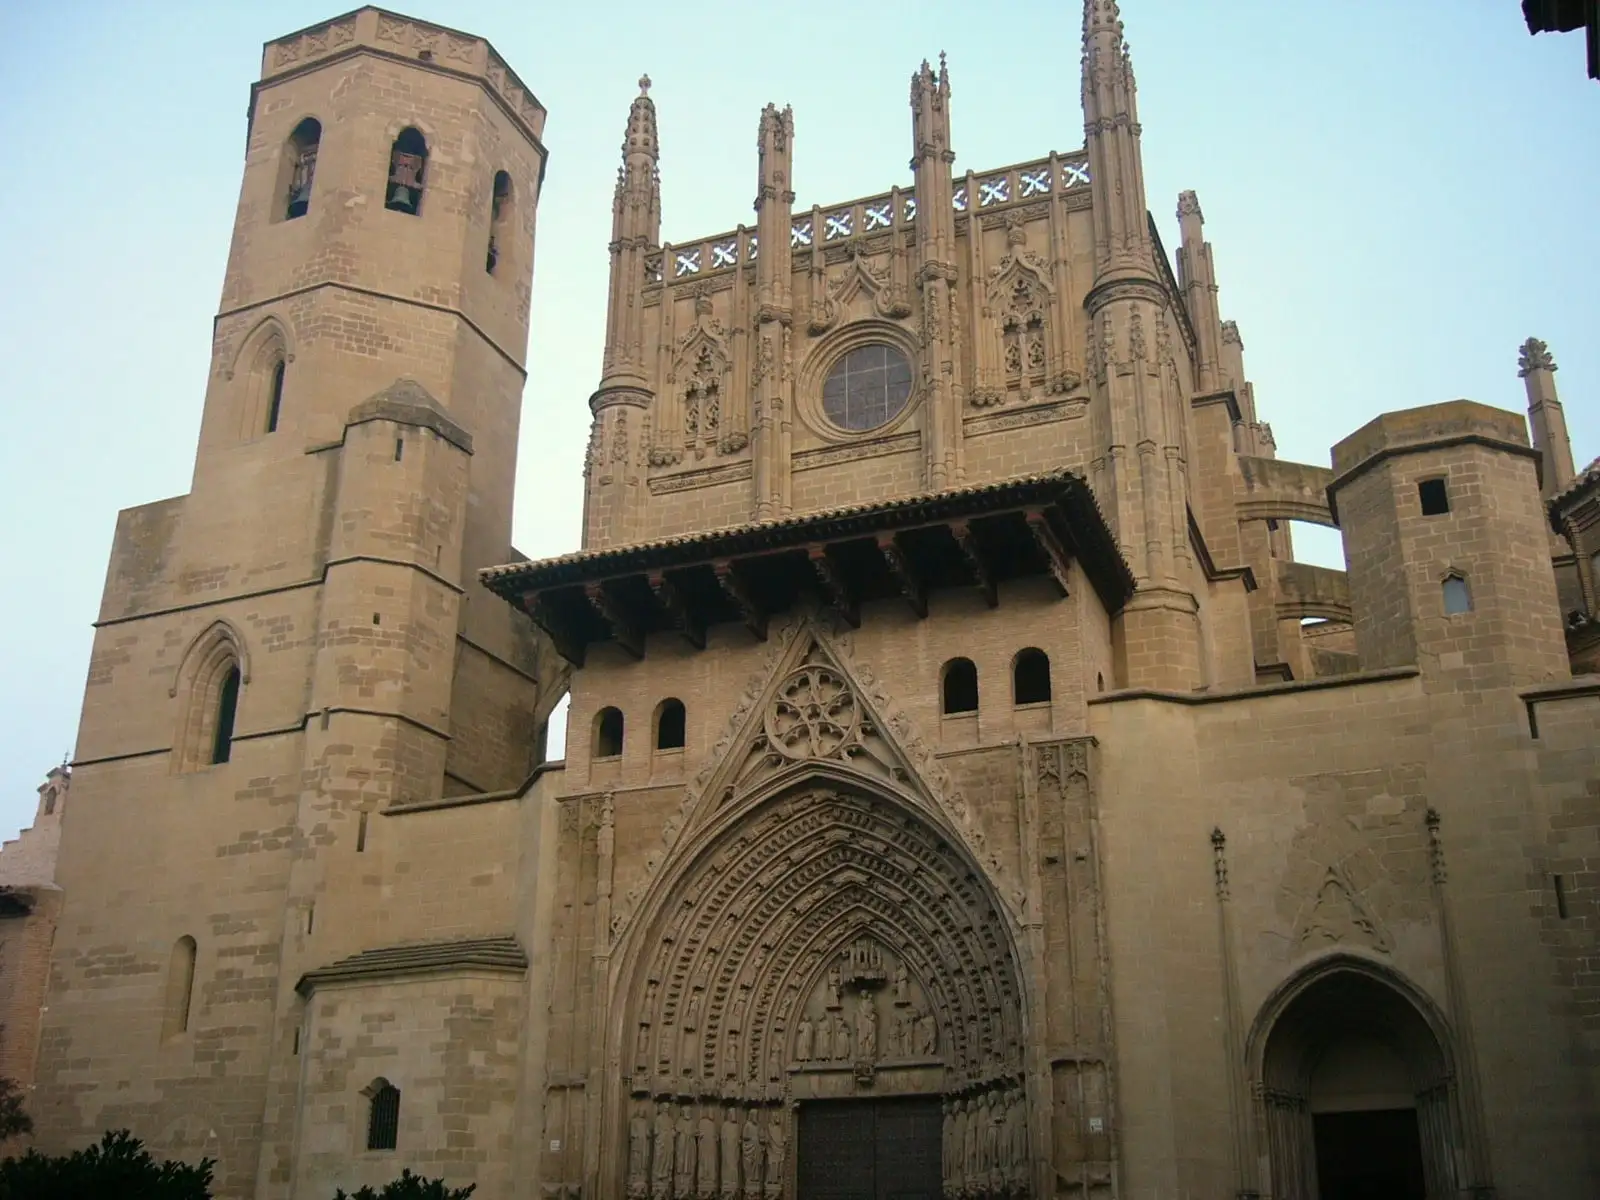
{"x": 383, "y": 1122}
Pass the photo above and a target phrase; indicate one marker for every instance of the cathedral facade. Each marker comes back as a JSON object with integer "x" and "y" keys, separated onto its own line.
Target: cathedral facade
{"x": 965, "y": 793}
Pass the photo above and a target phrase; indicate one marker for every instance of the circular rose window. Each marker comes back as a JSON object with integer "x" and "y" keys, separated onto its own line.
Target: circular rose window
{"x": 867, "y": 388}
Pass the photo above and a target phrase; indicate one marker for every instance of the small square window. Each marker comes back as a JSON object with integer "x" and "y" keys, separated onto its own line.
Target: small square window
{"x": 1434, "y": 496}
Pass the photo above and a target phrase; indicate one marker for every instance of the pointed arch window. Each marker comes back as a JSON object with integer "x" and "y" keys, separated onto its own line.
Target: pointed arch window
{"x": 302, "y": 155}
{"x": 960, "y": 687}
{"x": 211, "y": 680}
{"x": 180, "y": 987}
{"x": 1030, "y": 677}
{"x": 383, "y": 1115}
{"x": 1457, "y": 596}
{"x": 408, "y": 165}
{"x": 499, "y": 218}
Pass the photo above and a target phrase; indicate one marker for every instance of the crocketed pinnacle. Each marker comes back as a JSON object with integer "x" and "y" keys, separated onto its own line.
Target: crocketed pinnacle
{"x": 640, "y": 146}
{"x": 1102, "y": 16}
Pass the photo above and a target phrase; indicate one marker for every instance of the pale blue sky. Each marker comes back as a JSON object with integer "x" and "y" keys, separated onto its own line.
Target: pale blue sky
{"x": 1398, "y": 193}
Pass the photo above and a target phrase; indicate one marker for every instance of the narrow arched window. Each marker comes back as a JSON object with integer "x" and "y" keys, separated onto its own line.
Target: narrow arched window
{"x": 227, "y": 709}
{"x": 608, "y": 733}
{"x": 275, "y": 396}
{"x": 960, "y": 686}
{"x": 383, "y": 1115}
{"x": 408, "y": 164}
{"x": 670, "y": 722}
{"x": 499, "y": 214}
{"x": 1457, "y": 596}
{"x": 302, "y": 154}
{"x": 1030, "y": 677}
{"x": 180, "y": 987}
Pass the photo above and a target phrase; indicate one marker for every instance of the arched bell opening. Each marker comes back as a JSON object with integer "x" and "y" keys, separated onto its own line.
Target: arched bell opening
{"x": 1358, "y": 1093}
{"x": 827, "y": 958}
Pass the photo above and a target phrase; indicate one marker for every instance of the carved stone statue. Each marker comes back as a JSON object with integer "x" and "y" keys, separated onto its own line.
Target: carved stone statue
{"x": 730, "y": 1154}
{"x": 642, "y": 1050}
{"x": 952, "y": 1182}
{"x": 841, "y": 1038}
{"x": 691, "y": 1019}
{"x": 833, "y": 986}
{"x": 706, "y": 1157}
{"x": 750, "y": 1154}
{"x": 803, "y": 1039}
{"x": 824, "y": 1048}
{"x": 991, "y": 1144}
{"x": 902, "y": 984}
{"x": 683, "y": 1155}
{"x": 777, "y": 1147}
{"x": 1017, "y": 1131}
{"x": 958, "y": 1144}
{"x": 661, "y": 1167}
{"x": 866, "y": 1029}
{"x": 639, "y": 1153}
{"x": 971, "y": 1140}
{"x": 927, "y": 1034}
{"x": 900, "y": 1041}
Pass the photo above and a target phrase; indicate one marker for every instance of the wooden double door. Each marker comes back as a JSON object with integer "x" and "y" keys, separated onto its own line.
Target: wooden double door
{"x": 870, "y": 1150}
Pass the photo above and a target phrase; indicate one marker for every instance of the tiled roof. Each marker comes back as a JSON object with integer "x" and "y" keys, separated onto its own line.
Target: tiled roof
{"x": 491, "y": 953}
{"x": 1586, "y": 478}
{"x": 1097, "y": 547}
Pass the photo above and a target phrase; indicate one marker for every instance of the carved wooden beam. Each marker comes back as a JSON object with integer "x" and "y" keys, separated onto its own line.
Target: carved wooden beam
{"x": 833, "y": 582}
{"x": 567, "y": 643}
{"x": 754, "y": 617}
{"x": 673, "y": 602}
{"x": 1055, "y": 555}
{"x": 967, "y": 541}
{"x": 911, "y": 585}
{"x": 623, "y": 629}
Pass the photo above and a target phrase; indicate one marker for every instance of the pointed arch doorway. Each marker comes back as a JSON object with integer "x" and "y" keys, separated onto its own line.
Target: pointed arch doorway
{"x": 1359, "y": 1097}
{"x": 827, "y": 1002}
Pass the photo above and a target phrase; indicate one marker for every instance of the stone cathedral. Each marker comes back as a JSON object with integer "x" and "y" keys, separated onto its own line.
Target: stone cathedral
{"x": 966, "y": 794}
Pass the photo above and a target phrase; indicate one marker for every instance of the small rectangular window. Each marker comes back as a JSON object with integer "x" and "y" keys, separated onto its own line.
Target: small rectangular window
{"x": 399, "y": 448}
{"x": 361, "y": 835}
{"x": 1561, "y": 897}
{"x": 1435, "y": 497}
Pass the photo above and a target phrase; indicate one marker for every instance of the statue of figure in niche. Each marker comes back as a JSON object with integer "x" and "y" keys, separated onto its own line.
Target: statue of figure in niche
{"x": 841, "y": 1038}
{"x": 833, "y": 986}
{"x": 866, "y": 1028}
{"x": 927, "y": 1034}
{"x": 777, "y": 1147}
{"x": 902, "y": 984}
{"x": 683, "y": 1155}
{"x": 639, "y": 1153}
{"x": 972, "y": 1141}
{"x": 750, "y": 1154}
{"x": 706, "y": 1156}
{"x": 991, "y": 1144}
{"x": 730, "y": 1154}
{"x": 661, "y": 1168}
{"x": 803, "y": 1039}
{"x": 900, "y": 1037}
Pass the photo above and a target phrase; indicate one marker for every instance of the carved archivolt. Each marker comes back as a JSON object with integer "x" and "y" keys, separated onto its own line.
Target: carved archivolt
{"x": 813, "y": 703}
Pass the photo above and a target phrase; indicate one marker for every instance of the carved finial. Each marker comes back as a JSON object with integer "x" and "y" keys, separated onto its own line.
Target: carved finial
{"x": 644, "y": 85}
{"x": 1189, "y": 206}
{"x": 944, "y": 73}
{"x": 1534, "y": 356}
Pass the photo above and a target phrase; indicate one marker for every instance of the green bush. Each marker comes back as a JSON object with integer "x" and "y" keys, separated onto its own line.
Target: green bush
{"x": 13, "y": 1118}
{"x": 410, "y": 1187}
{"x": 119, "y": 1168}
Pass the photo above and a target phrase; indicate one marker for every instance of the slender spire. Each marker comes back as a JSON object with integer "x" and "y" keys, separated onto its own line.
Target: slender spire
{"x": 1111, "y": 134}
{"x": 1545, "y": 416}
{"x": 635, "y": 230}
{"x": 1198, "y": 278}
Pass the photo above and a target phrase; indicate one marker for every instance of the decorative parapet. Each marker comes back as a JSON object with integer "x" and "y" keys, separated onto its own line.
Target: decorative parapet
{"x": 879, "y": 215}
{"x": 442, "y": 49}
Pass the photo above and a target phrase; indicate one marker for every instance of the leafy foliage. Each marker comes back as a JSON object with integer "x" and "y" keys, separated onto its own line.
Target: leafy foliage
{"x": 119, "y": 1168}
{"x": 409, "y": 1187}
{"x": 13, "y": 1117}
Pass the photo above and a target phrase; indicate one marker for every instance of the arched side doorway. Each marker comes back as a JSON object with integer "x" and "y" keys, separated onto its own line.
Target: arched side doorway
{"x": 827, "y": 1001}
{"x": 1357, "y": 1088}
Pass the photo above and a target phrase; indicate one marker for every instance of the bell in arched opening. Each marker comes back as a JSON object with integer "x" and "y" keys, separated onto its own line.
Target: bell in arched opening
{"x": 408, "y": 160}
